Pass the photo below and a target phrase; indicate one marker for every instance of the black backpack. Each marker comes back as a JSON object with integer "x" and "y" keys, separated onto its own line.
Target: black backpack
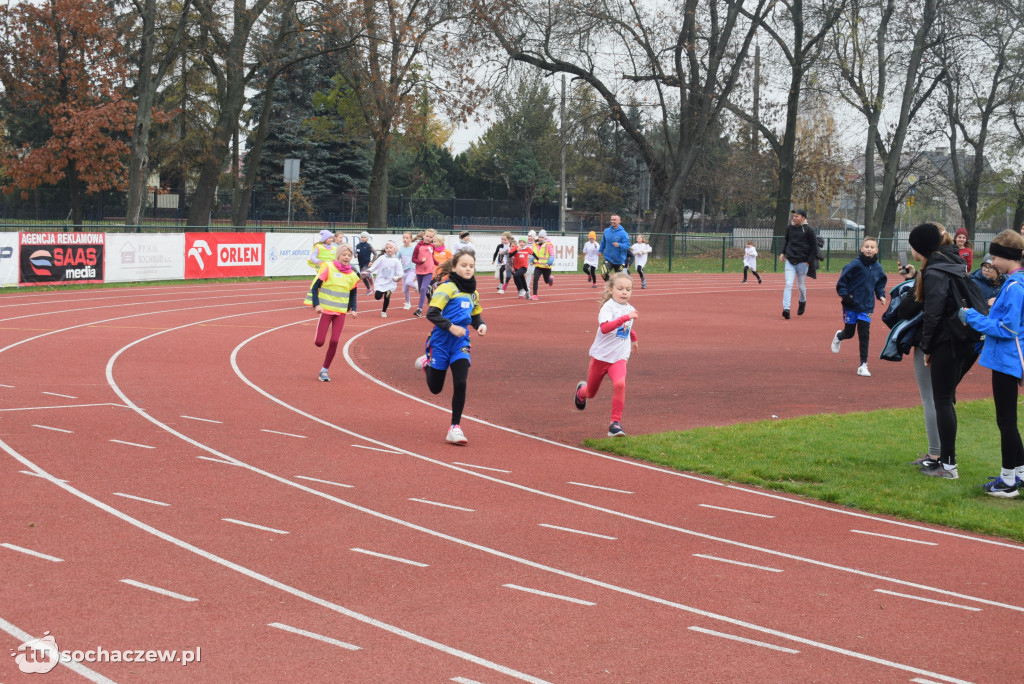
{"x": 965, "y": 294}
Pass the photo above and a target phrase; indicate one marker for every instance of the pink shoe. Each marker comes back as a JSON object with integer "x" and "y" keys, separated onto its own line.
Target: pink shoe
{"x": 534, "y": 298}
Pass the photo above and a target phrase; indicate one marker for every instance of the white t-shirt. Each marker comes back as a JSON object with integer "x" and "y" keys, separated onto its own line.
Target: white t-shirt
{"x": 640, "y": 251}
{"x": 616, "y": 345}
{"x": 386, "y": 269}
{"x": 464, "y": 245}
{"x": 750, "y": 257}
{"x": 590, "y": 252}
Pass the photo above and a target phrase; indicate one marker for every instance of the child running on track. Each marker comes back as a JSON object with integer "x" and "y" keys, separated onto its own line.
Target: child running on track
{"x": 329, "y": 295}
{"x": 423, "y": 257}
{"x": 454, "y": 307}
{"x": 501, "y": 260}
{"x": 860, "y": 284}
{"x": 520, "y": 256}
{"x": 543, "y": 260}
{"x": 387, "y": 270}
{"x": 612, "y": 345}
{"x": 408, "y": 269}
{"x": 323, "y": 250}
{"x": 750, "y": 261}
{"x": 591, "y": 250}
{"x": 640, "y": 250}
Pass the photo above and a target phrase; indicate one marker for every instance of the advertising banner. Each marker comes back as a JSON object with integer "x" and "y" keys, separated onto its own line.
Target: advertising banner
{"x": 133, "y": 257}
{"x": 287, "y": 253}
{"x": 47, "y": 258}
{"x": 8, "y": 259}
{"x": 223, "y": 255}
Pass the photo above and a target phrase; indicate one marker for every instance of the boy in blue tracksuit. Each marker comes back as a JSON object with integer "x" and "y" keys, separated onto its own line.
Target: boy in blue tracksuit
{"x": 1002, "y": 354}
{"x": 614, "y": 247}
{"x": 861, "y": 282}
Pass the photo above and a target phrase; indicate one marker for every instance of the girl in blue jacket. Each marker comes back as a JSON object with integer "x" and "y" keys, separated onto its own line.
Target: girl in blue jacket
{"x": 861, "y": 282}
{"x": 1002, "y": 354}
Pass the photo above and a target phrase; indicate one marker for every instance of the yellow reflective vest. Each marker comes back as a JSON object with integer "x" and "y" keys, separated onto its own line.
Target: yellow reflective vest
{"x": 542, "y": 254}
{"x": 334, "y": 293}
{"x": 324, "y": 253}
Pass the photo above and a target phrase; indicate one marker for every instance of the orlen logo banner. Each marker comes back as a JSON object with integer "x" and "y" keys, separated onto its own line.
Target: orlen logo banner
{"x": 61, "y": 258}
{"x": 223, "y": 255}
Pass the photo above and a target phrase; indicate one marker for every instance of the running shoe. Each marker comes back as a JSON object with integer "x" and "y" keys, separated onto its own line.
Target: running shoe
{"x": 996, "y": 487}
{"x": 455, "y": 435}
{"x": 580, "y": 403}
{"x": 615, "y": 430}
{"x": 323, "y": 375}
{"x": 939, "y": 470}
{"x": 836, "y": 342}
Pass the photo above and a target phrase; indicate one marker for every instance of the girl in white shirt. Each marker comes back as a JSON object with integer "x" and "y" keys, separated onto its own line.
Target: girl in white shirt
{"x": 750, "y": 261}
{"x": 640, "y": 251}
{"x": 389, "y": 272}
{"x": 612, "y": 345}
{"x": 591, "y": 250}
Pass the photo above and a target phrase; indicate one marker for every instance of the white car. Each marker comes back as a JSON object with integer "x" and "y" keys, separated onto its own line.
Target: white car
{"x": 850, "y": 225}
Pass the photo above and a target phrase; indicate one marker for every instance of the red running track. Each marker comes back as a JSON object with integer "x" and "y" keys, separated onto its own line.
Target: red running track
{"x": 173, "y": 477}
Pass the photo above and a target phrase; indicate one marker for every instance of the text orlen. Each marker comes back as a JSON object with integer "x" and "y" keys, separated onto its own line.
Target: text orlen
{"x": 102, "y": 655}
{"x": 240, "y": 255}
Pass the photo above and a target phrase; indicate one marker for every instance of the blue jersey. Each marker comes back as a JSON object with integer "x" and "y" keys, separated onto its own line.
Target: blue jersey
{"x": 458, "y": 307}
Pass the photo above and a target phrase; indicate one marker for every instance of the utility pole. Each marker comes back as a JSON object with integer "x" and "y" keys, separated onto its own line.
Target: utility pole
{"x": 561, "y": 188}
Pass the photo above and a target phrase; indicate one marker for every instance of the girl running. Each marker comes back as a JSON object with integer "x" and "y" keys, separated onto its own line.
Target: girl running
{"x": 323, "y": 250}
{"x": 640, "y": 250}
{"x": 387, "y": 270}
{"x": 501, "y": 261}
{"x": 329, "y": 295}
{"x": 408, "y": 269}
{"x": 591, "y": 250}
{"x": 423, "y": 257}
{"x": 454, "y": 307}
{"x": 612, "y": 345}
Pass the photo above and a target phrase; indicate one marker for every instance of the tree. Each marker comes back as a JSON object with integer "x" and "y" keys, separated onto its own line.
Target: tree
{"x": 62, "y": 62}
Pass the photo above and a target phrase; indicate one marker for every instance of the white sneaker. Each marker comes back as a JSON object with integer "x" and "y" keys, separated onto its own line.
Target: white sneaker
{"x": 407, "y": 305}
{"x": 455, "y": 435}
{"x": 836, "y": 343}
{"x": 862, "y": 369}
{"x": 421, "y": 363}
{"x": 383, "y": 314}
{"x": 501, "y": 291}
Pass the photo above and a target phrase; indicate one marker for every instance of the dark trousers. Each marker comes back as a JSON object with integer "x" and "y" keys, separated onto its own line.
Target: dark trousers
{"x": 519, "y": 276}
{"x": 537, "y": 273}
{"x": 863, "y": 330}
{"x": 747, "y": 268}
{"x": 1004, "y": 392}
{"x": 948, "y": 369}
{"x": 591, "y": 272}
{"x": 460, "y": 373}
{"x": 387, "y": 299}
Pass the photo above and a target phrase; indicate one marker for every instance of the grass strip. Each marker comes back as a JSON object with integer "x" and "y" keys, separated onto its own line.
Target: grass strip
{"x": 860, "y": 460}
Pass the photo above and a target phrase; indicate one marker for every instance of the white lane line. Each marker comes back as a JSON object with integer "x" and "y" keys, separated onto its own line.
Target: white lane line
{"x": 922, "y": 680}
{"x": 314, "y": 635}
{"x": 141, "y": 446}
{"x": 463, "y": 680}
{"x": 42, "y": 408}
{"x": 217, "y": 460}
{"x": 78, "y": 668}
{"x": 470, "y": 465}
{"x": 889, "y": 536}
{"x": 158, "y": 590}
{"x": 927, "y": 600}
{"x": 47, "y": 427}
{"x": 570, "y": 599}
{"x": 205, "y": 420}
{"x": 735, "y": 562}
{"x": 443, "y": 505}
{"x": 607, "y": 489}
{"x": 733, "y": 510}
{"x": 253, "y": 524}
{"x": 286, "y": 434}
{"x": 8, "y": 386}
{"x": 386, "y": 451}
{"x": 63, "y": 396}
{"x": 30, "y": 552}
{"x": 569, "y": 529}
{"x": 45, "y": 477}
{"x": 752, "y": 642}
{"x": 314, "y": 479}
{"x": 394, "y": 558}
{"x": 139, "y": 498}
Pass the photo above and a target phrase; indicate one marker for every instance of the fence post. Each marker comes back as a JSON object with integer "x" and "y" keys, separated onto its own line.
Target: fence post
{"x": 723, "y": 255}
{"x": 828, "y": 252}
{"x": 671, "y": 245}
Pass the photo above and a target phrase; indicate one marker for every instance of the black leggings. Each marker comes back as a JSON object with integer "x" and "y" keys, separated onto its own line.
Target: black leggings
{"x": 591, "y": 272}
{"x": 519, "y": 276}
{"x": 460, "y": 372}
{"x": 863, "y": 329}
{"x": 640, "y": 272}
{"x": 387, "y": 299}
{"x": 1004, "y": 392}
{"x": 537, "y": 273}
{"x": 747, "y": 268}
{"x": 948, "y": 370}
{"x": 607, "y": 268}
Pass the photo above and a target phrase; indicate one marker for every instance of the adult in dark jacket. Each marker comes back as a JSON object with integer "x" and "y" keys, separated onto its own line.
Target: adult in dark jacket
{"x": 988, "y": 279}
{"x": 800, "y": 252}
{"x": 947, "y": 359}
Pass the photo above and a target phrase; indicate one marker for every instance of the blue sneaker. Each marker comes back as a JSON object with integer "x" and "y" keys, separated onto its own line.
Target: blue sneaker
{"x": 615, "y": 430}
{"x": 996, "y": 487}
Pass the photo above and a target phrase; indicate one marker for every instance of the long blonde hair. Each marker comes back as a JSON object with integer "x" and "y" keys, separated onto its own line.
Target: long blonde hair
{"x": 617, "y": 275}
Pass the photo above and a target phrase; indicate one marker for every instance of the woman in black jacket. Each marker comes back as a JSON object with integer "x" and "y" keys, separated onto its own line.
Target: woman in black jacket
{"x": 947, "y": 359}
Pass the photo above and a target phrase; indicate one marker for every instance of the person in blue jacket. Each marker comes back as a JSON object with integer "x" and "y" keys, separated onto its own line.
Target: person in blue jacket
{"x": 988, "y": 279}
{"x": 861, "y": 282}
{"x": 614, "y": 247}
{"x": 1002, "y": 354}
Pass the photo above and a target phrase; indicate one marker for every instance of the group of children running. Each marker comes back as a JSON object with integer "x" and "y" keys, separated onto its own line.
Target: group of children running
{"x": 453, "y": 307}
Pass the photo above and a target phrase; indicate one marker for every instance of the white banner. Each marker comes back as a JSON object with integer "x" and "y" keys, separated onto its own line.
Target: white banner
{"x": 287, "y": 253}
{"x": 8, "y": 259}
{"x": 131, "y": 257}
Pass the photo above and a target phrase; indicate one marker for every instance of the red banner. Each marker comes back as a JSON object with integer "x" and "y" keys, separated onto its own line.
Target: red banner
{"x": 224, "y": 255}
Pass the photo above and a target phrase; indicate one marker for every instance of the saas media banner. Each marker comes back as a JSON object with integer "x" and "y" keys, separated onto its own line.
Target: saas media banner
{"x": 61, "y": 258}
{"x": 134, "y": 257}
{"x": 223, "y": 255}
{"x": 8, "y": 259}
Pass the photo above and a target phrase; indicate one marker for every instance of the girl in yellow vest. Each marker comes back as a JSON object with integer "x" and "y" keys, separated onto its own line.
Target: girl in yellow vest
{"x": 329, "y": 297}
{"x": 543, "y": 260}
{"x": 323, "y": 250}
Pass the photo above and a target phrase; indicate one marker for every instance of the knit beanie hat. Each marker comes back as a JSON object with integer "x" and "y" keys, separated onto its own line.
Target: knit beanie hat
{"x": 324, "y": 234}
{"x": 960, "y": 231}
{"x": 925, "y": 238}
{"x": 592, "y": 235}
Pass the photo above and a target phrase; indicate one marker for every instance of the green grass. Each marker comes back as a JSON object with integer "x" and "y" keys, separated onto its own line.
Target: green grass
{"x": 858, "y": 460}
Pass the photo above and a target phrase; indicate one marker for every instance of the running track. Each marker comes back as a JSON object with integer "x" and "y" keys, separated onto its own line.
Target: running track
{"x": 173, "y": 476}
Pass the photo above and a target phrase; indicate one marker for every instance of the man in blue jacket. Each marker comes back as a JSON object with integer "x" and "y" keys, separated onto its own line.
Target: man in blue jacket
{"x": 614, "y": 247}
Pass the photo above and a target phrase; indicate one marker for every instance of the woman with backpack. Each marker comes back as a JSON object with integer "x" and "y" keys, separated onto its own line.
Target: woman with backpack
{"x": 948, "y": 353}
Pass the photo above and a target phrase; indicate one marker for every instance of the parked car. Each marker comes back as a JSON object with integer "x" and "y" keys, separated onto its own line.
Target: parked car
{"x": 851, "y": 225}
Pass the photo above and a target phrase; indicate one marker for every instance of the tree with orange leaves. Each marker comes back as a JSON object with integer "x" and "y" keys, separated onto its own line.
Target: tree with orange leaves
{"x": 62, "y": 64}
